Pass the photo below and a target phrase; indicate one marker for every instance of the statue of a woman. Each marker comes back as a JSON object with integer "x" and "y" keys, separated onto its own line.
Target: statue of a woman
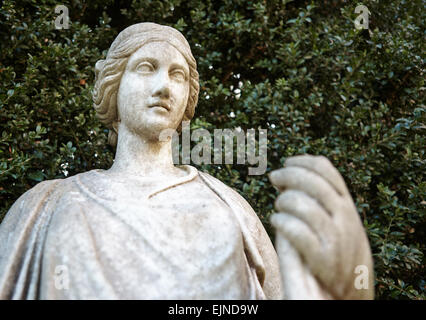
{"x": 147, "y": 229}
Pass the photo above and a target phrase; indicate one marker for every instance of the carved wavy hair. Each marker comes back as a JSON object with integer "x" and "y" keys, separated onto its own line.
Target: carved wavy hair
{"x": 108, "y": 72}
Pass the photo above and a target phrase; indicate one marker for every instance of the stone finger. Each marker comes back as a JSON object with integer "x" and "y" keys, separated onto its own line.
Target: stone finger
{"x": 321, "y": 166}
{"x": 312, "y": 184}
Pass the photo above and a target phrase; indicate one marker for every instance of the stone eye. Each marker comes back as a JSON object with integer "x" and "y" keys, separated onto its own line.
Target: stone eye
{"x": 178, "y": 75}
{"x": 145, "y": 67}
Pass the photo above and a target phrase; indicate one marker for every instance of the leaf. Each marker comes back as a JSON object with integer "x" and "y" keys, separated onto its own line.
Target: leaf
{"x": 37, "y": 176}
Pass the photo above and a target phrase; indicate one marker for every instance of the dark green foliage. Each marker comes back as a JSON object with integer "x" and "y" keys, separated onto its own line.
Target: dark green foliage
{"x": 302, "y": 71}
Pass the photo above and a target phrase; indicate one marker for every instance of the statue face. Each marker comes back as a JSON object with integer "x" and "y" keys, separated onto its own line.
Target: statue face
{"x": 154, "y": 90}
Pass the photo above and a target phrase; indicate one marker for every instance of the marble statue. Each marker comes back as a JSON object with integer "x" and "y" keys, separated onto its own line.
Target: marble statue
{"x": 147, "y": 229}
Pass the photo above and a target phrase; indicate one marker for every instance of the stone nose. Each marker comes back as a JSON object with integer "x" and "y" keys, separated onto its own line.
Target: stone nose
{"x": 162, "y": 86}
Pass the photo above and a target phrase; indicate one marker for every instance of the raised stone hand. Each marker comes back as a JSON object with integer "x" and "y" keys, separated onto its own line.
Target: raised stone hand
{"x": 323, "y": 249}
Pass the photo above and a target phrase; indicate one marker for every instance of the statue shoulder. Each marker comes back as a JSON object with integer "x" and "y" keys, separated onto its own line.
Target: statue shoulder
{"x": 240, "y": 206}
{"x": 30, "y": 203}
{"x": 43, "y": 187}
{"x": 218, "y": 184}
{"x": 30, "y": 200}
{"x": 228, "y": 192}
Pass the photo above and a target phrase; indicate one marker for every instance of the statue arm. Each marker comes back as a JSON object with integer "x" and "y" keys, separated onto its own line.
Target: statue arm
{"x": 20, "y": 237}
{"x": 259, "y": 249}
{"x": 272, "y": 284}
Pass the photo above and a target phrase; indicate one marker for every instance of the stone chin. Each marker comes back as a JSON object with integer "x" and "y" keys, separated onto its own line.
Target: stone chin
{"x": 151, "y": 124}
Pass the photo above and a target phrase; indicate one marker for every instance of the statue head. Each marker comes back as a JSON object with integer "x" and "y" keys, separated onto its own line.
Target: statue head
{"x": 129, "y": 43}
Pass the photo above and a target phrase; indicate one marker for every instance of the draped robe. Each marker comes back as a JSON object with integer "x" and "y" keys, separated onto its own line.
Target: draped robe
{"x": 99, "y": 236}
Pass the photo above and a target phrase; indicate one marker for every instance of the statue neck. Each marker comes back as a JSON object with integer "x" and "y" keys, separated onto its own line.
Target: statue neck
{"x": 141, "y": 157}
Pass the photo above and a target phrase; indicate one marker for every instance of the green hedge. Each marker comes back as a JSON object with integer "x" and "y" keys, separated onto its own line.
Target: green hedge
{"x": 304, "y": 73}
